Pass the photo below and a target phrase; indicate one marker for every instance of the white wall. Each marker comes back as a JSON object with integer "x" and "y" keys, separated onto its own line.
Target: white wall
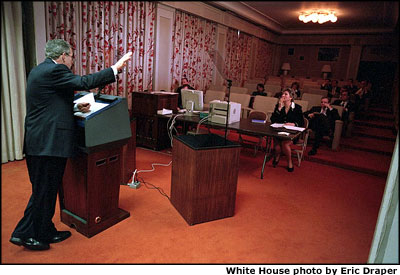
{"x": 40, "y": 30}
{"x": 163, "y": 48}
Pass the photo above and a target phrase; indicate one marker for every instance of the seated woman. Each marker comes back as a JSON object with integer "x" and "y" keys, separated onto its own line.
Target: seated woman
{"x": 296, "y": 90}
{"x": 260, "y": 91}
{"x": 289, "y": 113}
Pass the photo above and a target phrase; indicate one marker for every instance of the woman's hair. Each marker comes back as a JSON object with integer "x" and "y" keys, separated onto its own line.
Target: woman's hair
{"x": 56, "y": 47}
{"x": 290, "y": 91}
{"x": 260, "y": 85}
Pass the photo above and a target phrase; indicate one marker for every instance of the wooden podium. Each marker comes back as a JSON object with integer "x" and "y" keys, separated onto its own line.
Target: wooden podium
{"x": 204, "y": 177}
{"x": 152, "y": 130}
{"x": 90, "y": 192}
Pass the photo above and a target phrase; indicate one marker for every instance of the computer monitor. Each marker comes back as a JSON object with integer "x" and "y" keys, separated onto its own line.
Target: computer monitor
{"x": 192, "y": 100}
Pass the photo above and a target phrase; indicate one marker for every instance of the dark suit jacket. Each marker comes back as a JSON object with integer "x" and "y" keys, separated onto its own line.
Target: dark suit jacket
{"x": 294, "y": 115}
{"x": 332, "y": 116}
{"x": 178, "y": 90}
{"x": 49, "y": 121}
{"x": 347, "y": 109}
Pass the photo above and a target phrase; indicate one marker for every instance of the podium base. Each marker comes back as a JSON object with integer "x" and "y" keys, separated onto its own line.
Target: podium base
{"x": 90, "y": 229}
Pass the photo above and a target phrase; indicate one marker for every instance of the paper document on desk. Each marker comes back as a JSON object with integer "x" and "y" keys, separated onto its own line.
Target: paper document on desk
{"x": 300, "y": 129}
{"x": 277, "y": 125}
{"x": 282, "y": 125}
{"x": 94, "y": 106}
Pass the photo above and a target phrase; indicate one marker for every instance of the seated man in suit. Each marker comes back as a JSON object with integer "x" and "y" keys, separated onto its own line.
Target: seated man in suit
{"x": 322, "y": 122}
{"x": 184, "y": 85}
{"x": 345, "y": 102}
{"x": 335, "y": 89}
{"x": 260, "y": 91}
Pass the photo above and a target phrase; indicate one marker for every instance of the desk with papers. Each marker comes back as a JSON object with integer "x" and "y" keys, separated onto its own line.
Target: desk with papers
{"x": 246, "y": 126}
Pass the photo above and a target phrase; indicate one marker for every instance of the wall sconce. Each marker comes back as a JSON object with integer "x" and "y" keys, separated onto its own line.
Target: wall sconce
{"x": 285, "y": 68}
{"x": 326, "y": 69}
{"x": 318, "y": 16}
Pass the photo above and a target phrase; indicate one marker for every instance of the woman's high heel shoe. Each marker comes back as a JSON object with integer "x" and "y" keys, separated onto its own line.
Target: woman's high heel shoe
{"x": 290, "y": 169}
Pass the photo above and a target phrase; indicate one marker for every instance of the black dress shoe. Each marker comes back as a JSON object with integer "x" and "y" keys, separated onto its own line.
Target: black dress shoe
{"x": 33, "y": 244}
{"x": 312, "y": 152}
{"x": 16, "y": 241}
{"x": 275, "y": 162}
{"x": 60, "y": 236}
{"x": 290, "y": 169}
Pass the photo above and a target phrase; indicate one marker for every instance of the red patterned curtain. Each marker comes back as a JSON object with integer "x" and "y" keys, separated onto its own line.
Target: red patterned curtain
{"x": 102, "y": 32}
{"x": 238, "y": 49}
{"x": 263, "y": 66}
{"x": 193, "y": 37}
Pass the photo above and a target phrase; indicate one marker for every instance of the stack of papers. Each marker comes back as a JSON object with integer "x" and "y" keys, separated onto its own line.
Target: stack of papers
{"x": 281, "y": 125}
{"x": 94, "y": 106}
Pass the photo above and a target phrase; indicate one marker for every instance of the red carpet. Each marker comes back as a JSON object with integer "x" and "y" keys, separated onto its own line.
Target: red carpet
{"x": 317, "y": 214}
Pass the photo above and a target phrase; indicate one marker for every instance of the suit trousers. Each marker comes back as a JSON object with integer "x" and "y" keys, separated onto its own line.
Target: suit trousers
{"x": 46, "y": 174}
{"x": 320, "y": 125}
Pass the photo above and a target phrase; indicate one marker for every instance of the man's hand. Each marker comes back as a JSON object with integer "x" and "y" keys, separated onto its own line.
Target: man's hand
{"x": 84, "y": 107}
{"x": 122, "y": 62}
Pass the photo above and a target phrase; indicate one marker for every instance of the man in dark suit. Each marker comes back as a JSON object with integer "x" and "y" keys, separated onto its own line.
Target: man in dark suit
{"x": 345, "y": 102}
{"x": 322, "y": 122}
{"x": 184, "y": 85}
{"x": 49, "y": 138}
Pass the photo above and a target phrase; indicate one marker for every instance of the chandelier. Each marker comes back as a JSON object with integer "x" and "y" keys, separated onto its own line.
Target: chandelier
{"x": 318, "y": 16}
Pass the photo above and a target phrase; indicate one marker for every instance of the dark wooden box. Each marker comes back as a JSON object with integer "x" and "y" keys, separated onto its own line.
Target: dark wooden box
{"x": 204, "y": 177}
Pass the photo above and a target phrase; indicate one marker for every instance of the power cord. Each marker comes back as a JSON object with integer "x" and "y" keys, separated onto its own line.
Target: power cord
{"x": 135, "y": 183}
{"x": 172, "y": 126}
{"x": 154, "y": 187}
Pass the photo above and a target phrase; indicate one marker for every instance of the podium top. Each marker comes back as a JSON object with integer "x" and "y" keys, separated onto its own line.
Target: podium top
{"x": 206, "y": 142}
{"x": 108, "y": 125}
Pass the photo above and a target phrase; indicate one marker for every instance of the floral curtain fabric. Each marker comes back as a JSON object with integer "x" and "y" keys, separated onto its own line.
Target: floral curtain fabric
{"x": 101, "y": 32}
{"x": 238, "y": 50}
{"x": 192, "y": 39}
{"x": 263, "y": 65}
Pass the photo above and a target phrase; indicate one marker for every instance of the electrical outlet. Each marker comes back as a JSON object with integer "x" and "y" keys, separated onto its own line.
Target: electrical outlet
{"x": 134, "y": 185}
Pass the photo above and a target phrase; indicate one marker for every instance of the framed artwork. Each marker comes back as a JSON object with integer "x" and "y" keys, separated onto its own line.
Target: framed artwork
{"x": 328, "y": 54}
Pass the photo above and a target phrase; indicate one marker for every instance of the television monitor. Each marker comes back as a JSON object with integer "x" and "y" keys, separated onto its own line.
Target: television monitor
{"x": 192, "y": 100}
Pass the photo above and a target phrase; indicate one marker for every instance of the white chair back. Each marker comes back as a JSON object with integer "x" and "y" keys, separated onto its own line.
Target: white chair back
{"x": 318, "y": 92}
{"x": 272, "y": 89}
{"x": 313, "y": 100}
{"x": 239, "y": 90}
{"x": 243, "y": 99}
{"x": 211, "y": 95}
{"x": 302, "y": 103}
{"x": 265, "y": 104}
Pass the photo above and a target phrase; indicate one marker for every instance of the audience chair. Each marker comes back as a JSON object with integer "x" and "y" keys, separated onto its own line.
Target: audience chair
{"x": 318, "y": 91}
{"x": 254, "y": 115}
{"x": 239, "y": 90}
{"x": 337, "y": 131}
{"x": 300, "y": 146}
{"x": 211, "y": 95}
{"x": 217, "y": 87}
{"x": 244, "y": 100}
{"x": 302, "y": 103}
{"x": 265, "y": 104}
{"x": 272, "y": 89}
{"x": 313, "y": 100}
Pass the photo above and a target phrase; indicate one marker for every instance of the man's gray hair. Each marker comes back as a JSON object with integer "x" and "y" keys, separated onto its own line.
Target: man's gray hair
{"x": 56, "y": 47}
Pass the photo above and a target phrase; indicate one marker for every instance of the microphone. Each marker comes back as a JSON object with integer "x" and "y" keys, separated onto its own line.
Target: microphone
{"x": 97, "y": 96}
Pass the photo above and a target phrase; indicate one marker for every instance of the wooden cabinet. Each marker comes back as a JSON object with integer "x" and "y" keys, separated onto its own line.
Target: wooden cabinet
{"x": 204, "y": 177}
{"x": 151, "y": 131}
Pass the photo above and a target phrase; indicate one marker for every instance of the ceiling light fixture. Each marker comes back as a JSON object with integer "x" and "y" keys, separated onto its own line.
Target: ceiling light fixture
{"x": 318, "y": 16}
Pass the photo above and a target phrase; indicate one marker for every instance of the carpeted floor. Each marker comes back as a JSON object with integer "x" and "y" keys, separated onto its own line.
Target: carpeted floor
{"x": 317, "y": 214}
